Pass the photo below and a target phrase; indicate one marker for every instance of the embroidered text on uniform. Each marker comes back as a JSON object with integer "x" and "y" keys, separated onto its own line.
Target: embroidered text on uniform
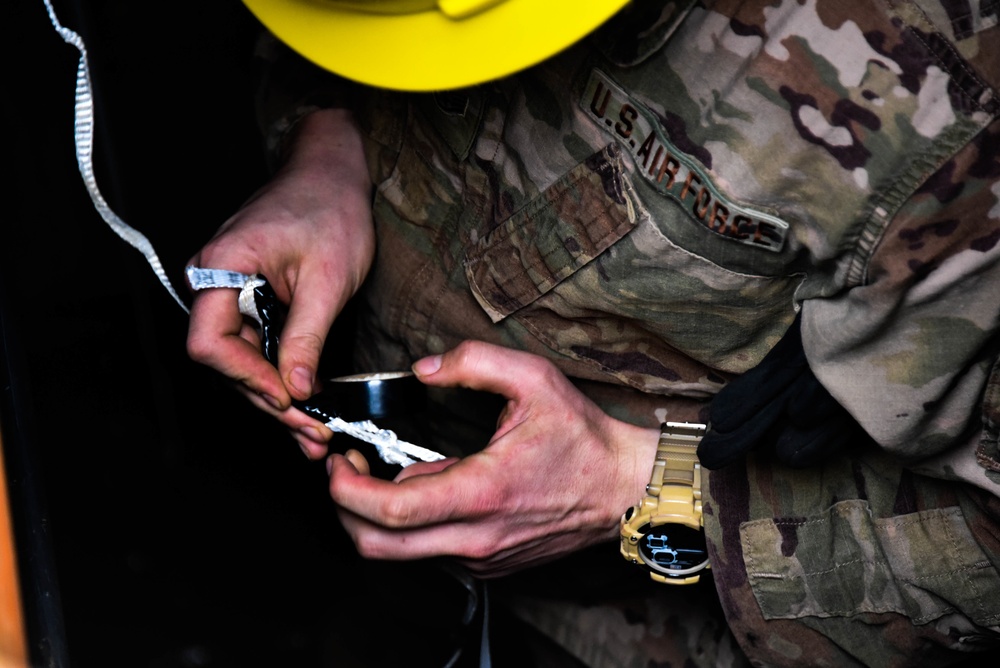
{"x": 674, "y": 173}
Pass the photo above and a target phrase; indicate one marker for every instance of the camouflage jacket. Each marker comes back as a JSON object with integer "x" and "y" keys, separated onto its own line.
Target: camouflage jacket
{"x": 650, "y": 209}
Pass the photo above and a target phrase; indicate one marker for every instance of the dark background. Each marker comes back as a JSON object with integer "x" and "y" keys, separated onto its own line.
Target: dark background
{"x": 162, "y": 521}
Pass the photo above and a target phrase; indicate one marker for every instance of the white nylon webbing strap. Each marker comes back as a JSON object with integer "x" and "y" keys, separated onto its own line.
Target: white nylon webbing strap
{"x": 84, "y": 136}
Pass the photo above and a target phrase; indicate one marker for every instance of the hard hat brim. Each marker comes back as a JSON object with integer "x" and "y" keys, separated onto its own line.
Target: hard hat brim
{"x": 426, "y": 50}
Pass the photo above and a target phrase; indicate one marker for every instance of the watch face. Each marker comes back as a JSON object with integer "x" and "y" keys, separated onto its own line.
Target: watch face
{"x": 674, "y": 550}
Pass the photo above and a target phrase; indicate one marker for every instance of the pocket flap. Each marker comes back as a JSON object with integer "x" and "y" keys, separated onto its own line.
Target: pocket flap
{"x": 922, "y": 565}
{"x": 565, "y": 227}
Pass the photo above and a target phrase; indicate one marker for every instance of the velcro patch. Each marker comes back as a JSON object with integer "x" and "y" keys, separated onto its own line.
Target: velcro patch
{"x": 672, "y": 172}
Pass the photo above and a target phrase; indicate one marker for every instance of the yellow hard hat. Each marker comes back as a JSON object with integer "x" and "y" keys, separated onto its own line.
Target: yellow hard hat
{"x": 430, "y": 44}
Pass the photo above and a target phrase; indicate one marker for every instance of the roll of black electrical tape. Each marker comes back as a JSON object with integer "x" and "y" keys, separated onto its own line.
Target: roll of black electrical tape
{"x": 367, "y": 396}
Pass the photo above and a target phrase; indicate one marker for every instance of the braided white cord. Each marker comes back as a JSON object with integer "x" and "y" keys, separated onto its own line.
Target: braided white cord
{"x": 390, "y": 448}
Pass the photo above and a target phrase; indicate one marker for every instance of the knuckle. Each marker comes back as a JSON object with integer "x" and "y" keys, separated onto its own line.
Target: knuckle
{"x": 480, "y": 550}
{"x": 396, "y": 512}
{"x": 541, "y": 366}
{"x": 367, "y": 547}
{"x": 467, "y": 352}
{"x": 544, "y": 373}
{"x": 309, "y": 342}
{"x": 553, "y": 377}
{"x": 200, "y": 348}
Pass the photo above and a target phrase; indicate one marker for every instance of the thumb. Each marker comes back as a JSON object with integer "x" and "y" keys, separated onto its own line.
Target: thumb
{"x": 482, "y": 366}
{"x": 310, "y": 315}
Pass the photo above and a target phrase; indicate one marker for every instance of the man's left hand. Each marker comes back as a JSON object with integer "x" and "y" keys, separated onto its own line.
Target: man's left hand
{"x": 555, "y": 477}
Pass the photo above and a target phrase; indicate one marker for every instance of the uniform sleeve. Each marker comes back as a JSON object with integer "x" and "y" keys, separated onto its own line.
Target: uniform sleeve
{"x": 887, "y": 556}
{"x": 289, "y": 88}
{"x": 912, "y": 351}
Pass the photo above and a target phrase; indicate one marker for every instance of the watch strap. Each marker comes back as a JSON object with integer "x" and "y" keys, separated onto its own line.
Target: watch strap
{"x": 677, "y": 458}
{"x": 673, "y": 499}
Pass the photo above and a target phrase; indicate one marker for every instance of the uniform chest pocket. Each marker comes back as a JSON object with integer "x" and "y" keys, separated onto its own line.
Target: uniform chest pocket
{"x": 586, "y": 269}
{"x": 576, "y": 219}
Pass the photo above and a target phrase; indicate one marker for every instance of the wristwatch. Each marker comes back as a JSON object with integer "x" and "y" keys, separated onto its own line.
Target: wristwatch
{"x": 665, "y": 531}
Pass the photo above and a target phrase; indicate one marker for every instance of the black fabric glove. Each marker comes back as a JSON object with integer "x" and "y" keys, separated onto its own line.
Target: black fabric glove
{"x": 780, "y": 404}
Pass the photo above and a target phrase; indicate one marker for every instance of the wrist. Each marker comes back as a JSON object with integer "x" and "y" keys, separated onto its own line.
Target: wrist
{"x": 327, "y": 143}
{"x": 636, "y": 457}
{"x": 643, "y": 458}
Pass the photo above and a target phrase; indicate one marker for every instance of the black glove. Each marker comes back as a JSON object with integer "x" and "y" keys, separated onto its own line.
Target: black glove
{"x": 779, "y": 403}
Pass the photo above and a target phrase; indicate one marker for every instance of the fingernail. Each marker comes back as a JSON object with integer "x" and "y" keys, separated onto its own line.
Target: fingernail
{"x": 329, "y": 466}
{"x": 427, "y": 365}
{"x": 302, "y": 380}
{"x": 272, "y": 401}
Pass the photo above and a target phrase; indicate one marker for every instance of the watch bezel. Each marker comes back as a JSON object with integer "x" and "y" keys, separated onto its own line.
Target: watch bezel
{"x": 673, "y": 573}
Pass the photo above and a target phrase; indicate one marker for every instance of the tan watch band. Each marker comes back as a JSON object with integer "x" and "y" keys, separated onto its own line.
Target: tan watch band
{"x": 677, "y": 462}
{"x": 664, "y": 530}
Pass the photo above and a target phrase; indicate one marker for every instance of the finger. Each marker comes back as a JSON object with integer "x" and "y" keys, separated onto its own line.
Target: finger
{"x": 311, "y": 434}
{"x": 453, "y": 494}
{"x": 511, "y": 560}
{"x": 812, "y": 403}
{"x": 217, "y": 338}
{"x": 424, "y": 468}
{"x": 765, "y": 383}
{"x": 358, "y": 461}
{"x": 487, "y": 551}
{"x": 311, "y": 449}
{"x": 462, "y": 540}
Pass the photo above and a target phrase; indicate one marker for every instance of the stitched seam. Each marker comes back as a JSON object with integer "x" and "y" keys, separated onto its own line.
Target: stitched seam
{"x": 978, "y": 566}
{"x": 860, "y": 609}
{"x": 976, "y": 599}
{"x": 958, "y": 59}
{"x": 778, "y": 576}
{"x": 985, "y": 10}
{"x": 949, "y": 531}
{"x": 933, "y": 512}
{"x": 961, "y": 63}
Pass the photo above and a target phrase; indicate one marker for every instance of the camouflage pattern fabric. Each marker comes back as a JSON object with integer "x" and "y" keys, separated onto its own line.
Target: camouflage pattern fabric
{"x": 857, "y": 563}
{"x": 675, "y": 628}
{"x": 651, "y": 208}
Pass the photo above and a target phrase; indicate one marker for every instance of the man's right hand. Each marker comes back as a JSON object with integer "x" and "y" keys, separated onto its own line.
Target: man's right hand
{"x": 309, "y": 232}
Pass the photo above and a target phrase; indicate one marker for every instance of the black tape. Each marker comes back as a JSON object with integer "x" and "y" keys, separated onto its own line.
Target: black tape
{"x": 367, "y": 396}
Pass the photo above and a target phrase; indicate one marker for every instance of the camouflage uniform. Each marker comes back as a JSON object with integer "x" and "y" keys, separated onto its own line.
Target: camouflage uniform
{"x": 651, "y": 208}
